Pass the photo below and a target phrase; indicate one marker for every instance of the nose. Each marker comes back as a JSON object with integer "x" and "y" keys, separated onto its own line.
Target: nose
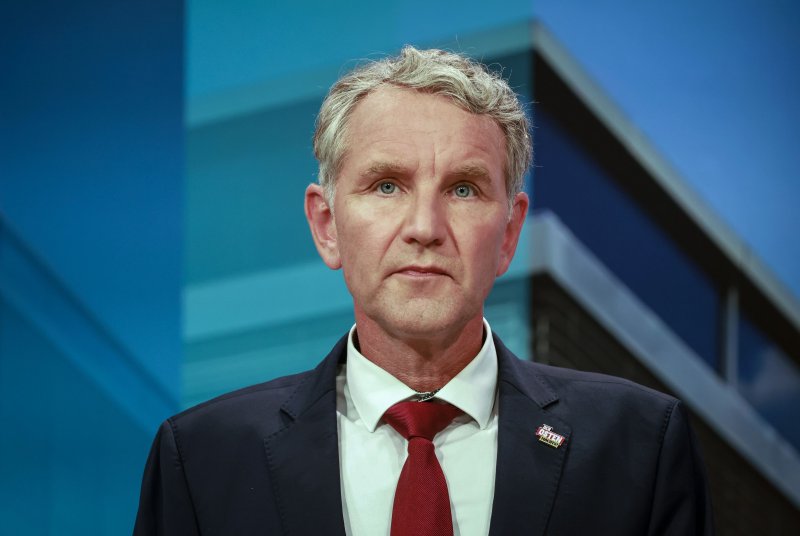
{"x": 425, "y": 221}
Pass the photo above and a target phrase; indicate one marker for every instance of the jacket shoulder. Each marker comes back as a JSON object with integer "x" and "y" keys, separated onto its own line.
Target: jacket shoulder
{"x": 273, "y": 390}
{"x": 579, "y": 381}
{"x": 258, "y": 410}
{"x": 546, "y": 384}
{"x": 256, "y": 407}
{"x": 583, "y": 395}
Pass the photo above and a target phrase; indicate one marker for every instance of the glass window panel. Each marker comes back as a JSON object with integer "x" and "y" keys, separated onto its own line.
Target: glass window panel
{"x": 769, "y": 379}
{"x": 570, "y": 183}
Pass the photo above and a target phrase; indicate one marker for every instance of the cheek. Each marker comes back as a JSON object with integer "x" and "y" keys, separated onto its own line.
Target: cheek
{"x": 363, "y": 241}
{"x": 484, "y": 250}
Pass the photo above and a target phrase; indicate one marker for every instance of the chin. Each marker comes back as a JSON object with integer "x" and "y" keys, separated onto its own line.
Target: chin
{"x": 425, "y": 319}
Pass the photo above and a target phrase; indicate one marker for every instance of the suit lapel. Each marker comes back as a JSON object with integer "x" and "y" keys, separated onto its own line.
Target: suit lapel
{"x": 303, "y": 456}
{"x": 528, "y": 470}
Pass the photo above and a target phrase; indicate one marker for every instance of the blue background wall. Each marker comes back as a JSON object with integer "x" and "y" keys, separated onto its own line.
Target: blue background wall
{"x": 91, "y": 195}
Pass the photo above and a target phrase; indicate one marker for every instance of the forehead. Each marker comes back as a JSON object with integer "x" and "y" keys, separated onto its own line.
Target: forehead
{"x": 393, "y": 123}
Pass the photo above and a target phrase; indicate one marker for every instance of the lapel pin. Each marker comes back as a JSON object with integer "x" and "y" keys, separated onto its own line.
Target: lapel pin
{"x": 547, "y": 436}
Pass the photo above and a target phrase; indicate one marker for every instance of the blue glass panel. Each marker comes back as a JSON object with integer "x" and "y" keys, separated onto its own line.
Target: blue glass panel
{"x": 246, "y": 178}
{"x": 770, "y": 380}
{"x": 570, "y": 183}
{"x": 91, "y": 160}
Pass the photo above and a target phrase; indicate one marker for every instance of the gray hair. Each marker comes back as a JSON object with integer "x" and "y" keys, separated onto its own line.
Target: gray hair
{"x": 470, "y": 85}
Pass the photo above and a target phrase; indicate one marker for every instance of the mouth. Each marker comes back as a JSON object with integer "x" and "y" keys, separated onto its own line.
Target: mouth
{"x": 419, "y": 271}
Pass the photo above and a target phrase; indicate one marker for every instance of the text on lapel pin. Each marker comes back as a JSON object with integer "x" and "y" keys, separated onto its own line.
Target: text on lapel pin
{"x": 547, "y": 436}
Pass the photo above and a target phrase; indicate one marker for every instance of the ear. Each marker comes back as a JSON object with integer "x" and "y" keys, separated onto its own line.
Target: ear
{"x": 323, "y": 226}
{"x": 519, "y": 210}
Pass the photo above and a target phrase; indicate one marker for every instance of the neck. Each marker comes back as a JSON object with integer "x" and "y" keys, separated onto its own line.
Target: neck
{"x": 424, "y": 363}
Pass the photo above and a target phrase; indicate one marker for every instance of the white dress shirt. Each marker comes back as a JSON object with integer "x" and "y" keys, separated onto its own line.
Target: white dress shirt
{"x": 372, "y": 453}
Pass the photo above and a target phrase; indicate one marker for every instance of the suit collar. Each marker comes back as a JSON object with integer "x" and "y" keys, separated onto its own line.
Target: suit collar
{"x": 303, "y": 456}
{"x": 528, "y": 470}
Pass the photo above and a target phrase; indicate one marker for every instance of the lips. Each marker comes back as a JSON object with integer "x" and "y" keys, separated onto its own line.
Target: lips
{"x": 415, "y": 270}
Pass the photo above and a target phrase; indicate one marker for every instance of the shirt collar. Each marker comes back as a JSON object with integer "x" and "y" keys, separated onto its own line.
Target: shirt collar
{"x": 373, "y": 390}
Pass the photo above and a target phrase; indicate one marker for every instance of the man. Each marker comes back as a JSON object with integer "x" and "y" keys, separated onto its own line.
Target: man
{"x": 420, "y": 421}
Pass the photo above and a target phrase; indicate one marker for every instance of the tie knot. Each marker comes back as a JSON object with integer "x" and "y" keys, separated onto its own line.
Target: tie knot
{"x": 420, "y": 419}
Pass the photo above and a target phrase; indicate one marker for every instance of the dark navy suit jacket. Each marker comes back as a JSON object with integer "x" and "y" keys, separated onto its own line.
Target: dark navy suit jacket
{"x": 264, "y": 460}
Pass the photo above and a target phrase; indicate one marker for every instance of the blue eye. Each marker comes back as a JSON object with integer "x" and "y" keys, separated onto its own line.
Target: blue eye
{"x": 387, "y": 187}
{"x": 463, "y": 190}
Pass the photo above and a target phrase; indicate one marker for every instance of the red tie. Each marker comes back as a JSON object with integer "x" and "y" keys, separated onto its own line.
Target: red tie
{"x": 421, "y": 502}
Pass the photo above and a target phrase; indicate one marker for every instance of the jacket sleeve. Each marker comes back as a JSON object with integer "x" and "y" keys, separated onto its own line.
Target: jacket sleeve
{"x": 681, "y": 502}
{"x": 165, "y": 505}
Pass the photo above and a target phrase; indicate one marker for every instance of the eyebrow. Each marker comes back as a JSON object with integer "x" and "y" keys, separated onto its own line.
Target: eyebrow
{"x": 384, "y": 167}
{"x": 472, "y": 171}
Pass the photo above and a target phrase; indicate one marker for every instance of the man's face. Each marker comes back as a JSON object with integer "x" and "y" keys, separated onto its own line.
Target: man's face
{"x": 420, "y": 223}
